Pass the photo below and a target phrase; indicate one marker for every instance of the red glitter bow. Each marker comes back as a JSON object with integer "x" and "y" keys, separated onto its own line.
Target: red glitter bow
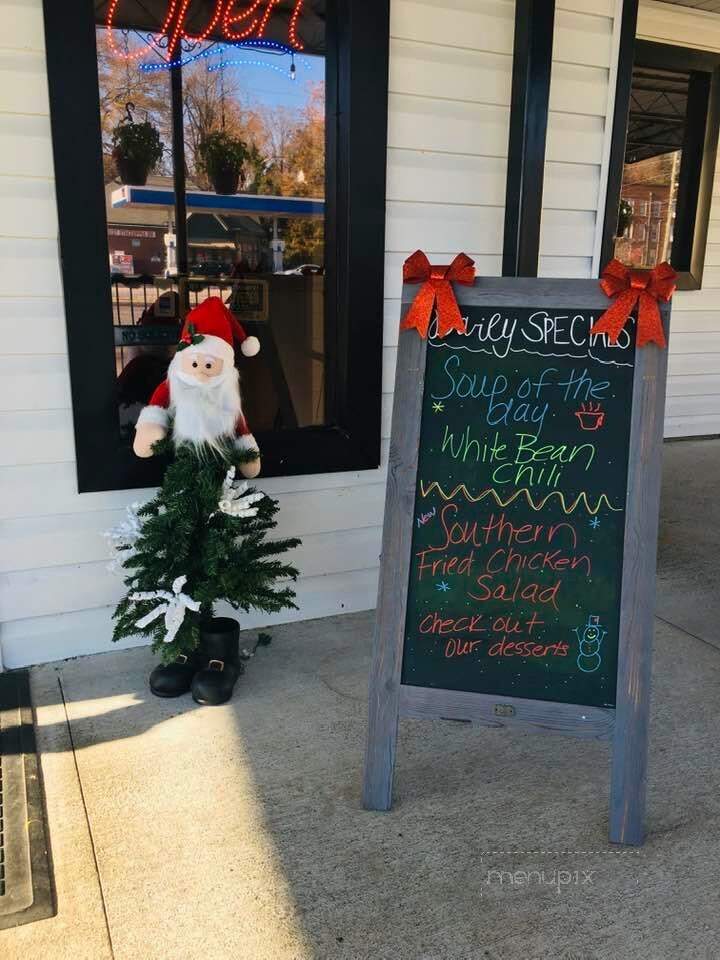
{"x": 630, "y": 287}
{"x": 436, "y": 290}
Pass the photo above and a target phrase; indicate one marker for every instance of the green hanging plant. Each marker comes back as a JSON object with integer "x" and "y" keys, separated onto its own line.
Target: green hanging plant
{"x": 223, "y": 157}
{"x": 625, "y": 214}
{"x": 137, "y": 149}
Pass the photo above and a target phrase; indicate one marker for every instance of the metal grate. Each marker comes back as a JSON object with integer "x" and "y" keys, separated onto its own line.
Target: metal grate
{"x": 2, "y": 832}
{"x": 25, "y": 890}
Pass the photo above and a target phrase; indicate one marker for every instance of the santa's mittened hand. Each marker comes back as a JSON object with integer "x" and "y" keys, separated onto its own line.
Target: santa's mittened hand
{"x": 146, "y": 434}
{"x": 250, "y": 469}
{"x": 247, "y": 443}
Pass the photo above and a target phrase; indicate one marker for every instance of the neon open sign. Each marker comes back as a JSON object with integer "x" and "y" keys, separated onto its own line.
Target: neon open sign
{"x": 232, "y": 20}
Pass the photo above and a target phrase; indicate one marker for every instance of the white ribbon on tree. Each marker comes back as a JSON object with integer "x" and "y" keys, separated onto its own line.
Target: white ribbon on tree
{"x": 174, "y": 607}
{"x": 233, "y": 499}
{"x": 123, "y": 537}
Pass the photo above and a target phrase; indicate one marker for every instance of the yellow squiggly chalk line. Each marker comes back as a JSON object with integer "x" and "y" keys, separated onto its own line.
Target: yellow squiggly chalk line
{"x": 427, "y": 488}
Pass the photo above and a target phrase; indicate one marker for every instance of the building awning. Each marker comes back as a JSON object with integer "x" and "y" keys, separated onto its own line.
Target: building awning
{"x": 226, "y": 228}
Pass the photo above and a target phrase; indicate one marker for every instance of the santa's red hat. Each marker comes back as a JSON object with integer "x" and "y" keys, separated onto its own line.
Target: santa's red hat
{"x": 211, "y": 328}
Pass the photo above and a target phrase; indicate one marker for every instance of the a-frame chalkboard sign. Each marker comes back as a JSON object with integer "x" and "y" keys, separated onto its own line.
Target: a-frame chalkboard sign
{"x": 517, "y": 580}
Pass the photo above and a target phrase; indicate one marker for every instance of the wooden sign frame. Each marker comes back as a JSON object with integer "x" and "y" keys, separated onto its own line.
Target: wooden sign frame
{"x": 626, "y": 725}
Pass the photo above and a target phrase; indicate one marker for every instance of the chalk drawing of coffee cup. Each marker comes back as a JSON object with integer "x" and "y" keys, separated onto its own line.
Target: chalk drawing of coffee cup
{"x": 591, "y": 416}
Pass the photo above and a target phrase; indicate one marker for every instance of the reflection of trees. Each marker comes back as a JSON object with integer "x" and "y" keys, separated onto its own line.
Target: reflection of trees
{"x": 213, "y": 102}
{"x": 121, "y": 82}
{"x": 304, "y": 242}
{"x": 303, "y": 175}
{"x": 287, "y": 146}
{"x": 301, "y": 171}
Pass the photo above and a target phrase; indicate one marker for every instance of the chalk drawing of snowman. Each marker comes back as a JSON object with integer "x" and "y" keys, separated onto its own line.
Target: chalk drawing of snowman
{"x": 589, "y": 639}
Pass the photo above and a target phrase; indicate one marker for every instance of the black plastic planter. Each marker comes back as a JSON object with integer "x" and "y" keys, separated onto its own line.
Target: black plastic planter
{"x": 131, "y": 172}
{"x": 225, "y": 180}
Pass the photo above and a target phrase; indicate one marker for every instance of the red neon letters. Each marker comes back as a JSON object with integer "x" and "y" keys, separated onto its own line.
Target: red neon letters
{"x": 236, "y": 22}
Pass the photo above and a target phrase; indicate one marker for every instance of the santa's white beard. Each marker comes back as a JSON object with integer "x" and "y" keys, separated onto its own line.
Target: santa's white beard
{"x": 203, "y": 412}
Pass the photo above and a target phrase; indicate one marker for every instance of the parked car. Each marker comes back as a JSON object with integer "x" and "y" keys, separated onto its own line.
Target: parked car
{"x": 210, "y": 268}
{"x": 304, "y": 270}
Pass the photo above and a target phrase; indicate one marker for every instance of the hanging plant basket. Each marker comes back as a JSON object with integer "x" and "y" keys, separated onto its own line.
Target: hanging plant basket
{"x": 625, "y": 215}
{"x": 131, "y": 171}
{"x": 225, "y": 180}
{"x": 222, "y": 157}
{"x": 137, "y": 149}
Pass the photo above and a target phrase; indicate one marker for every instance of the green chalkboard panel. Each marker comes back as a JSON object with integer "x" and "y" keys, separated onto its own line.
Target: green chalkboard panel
{"x": 516, "y": 560}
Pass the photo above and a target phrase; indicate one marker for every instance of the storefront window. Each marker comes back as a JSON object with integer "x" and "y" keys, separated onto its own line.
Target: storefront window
{"x": 291, "y": 90}
{"x": 651, "y": 173}
{"x": 257, "y": 241}
{"x": 660, "y": 184}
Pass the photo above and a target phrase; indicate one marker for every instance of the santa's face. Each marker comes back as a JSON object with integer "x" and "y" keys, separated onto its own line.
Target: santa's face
{"x": 204, "y": 397}
{"x": 201, "y": 366}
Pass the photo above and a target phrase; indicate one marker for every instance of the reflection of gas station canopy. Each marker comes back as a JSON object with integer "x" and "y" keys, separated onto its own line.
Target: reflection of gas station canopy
{"x": 246, "y": 204}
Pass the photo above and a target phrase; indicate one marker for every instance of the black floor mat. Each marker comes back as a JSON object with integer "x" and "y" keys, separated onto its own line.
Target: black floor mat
{"x": 25, "y": 882}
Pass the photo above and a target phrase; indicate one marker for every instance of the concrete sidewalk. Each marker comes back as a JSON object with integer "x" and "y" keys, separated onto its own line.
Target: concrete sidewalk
{"x": 187, "y": 833}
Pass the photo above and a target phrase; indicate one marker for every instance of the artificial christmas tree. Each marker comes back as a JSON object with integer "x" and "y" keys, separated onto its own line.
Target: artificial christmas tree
{"x": 203, "y": 538}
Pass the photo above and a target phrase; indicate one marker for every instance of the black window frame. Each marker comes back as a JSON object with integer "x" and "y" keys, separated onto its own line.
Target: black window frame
{"x": 697, "y": 167}
{"x": 356, "y": 125}
{"x": 527, "y": 135}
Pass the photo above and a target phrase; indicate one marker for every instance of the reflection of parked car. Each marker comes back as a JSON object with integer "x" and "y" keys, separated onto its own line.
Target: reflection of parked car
{"x": 210, "y": 268}
{"x": 305, "y": 270}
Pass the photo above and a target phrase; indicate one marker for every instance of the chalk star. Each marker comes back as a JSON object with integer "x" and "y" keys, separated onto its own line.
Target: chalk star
{"x": 438, "y": 407}
{"x": 443, "y": 586}
{"x": 594, "y": 523}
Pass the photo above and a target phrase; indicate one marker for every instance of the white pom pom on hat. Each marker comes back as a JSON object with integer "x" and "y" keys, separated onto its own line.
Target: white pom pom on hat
{"x": 250, "y": 346}
{"x": 219, "y": 328}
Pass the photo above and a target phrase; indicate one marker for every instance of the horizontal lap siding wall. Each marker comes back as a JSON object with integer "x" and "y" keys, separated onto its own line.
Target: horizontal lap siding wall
{"x": 448, "y": 121}
{"x": 584, "y": 54}
{"x": 450, "y": 68}
{"x": 693, "y": 403}
{"x": 576, "y": 137}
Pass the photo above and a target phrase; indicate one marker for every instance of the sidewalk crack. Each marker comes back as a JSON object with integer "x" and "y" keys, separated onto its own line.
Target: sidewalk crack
{"x": 87, "y": 817}
{"x": 687, "y": 633}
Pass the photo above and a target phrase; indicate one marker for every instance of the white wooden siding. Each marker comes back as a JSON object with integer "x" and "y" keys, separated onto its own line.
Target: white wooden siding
{"x": 693, "y": 402}
{"x": 450, "y": 74}
{"x": 449, "y": 104}
{"x": 583, "y": 49}
{"x": 579, "y": 131}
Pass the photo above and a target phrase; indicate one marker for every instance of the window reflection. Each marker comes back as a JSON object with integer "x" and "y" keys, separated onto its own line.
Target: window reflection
{"x": 647, "y": 211}
{"x": 261, "y": 248}
{"x": 651, "y": 173}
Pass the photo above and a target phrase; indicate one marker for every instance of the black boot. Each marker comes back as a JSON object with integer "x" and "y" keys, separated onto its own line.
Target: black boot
{"x": 220, "y": 646}
{"x": 174, "y": 679}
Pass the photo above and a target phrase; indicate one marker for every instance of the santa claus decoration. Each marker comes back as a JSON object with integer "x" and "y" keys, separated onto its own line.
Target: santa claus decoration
{"x": 202, "y": 540}
{"x": 201, "y": 395}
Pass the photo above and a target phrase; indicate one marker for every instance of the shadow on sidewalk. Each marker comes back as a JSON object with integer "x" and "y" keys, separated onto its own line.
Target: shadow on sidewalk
{"x": 238, "y": 830}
